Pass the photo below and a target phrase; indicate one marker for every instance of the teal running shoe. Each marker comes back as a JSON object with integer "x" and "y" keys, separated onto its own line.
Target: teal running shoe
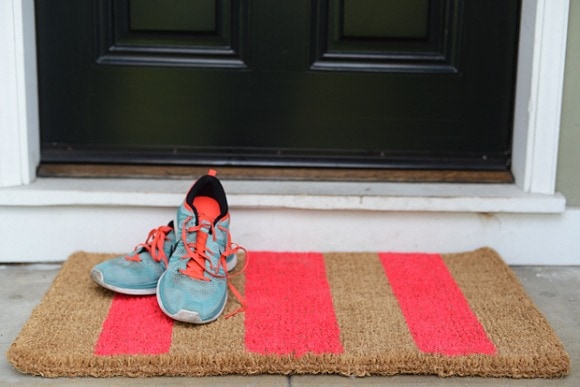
{"x": 138, "y": 272}
{"x": 194, "y": 287}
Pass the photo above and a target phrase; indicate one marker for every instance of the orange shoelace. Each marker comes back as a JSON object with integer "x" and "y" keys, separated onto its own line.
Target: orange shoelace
{"x": 153, "y": 245}
{"x": 198, "y": 253}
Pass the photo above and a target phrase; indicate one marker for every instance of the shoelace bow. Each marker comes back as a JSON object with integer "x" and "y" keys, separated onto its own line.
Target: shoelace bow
{"x": 197, "y": 255}
{"x": 153, "y": 245}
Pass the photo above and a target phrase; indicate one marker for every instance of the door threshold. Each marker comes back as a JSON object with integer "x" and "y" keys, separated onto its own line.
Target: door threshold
{"x": 273, "y": 173}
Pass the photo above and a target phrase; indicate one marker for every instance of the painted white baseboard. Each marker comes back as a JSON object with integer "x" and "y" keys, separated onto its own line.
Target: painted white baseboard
{"x": 47, "y": 225}
{"x": 51, "y": 234}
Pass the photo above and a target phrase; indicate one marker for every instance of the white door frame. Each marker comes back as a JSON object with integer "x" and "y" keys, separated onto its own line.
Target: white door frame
{"x": 541, "y": 62}
{"x": 19, "y": 128}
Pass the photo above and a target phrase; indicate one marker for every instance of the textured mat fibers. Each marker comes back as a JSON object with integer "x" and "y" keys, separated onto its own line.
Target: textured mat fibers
{"x": 346, "y": 313}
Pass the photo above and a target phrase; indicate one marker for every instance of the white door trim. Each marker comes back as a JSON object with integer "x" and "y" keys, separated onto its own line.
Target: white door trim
{"x": 19, "y": 129}
{"x": 540, "y": 82}
{"x": 541, "y": 58}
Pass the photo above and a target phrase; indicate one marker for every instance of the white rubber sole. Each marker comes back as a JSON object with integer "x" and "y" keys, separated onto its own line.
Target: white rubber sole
{"x": 97, "y": 277}
{"x": 189, "y": 316}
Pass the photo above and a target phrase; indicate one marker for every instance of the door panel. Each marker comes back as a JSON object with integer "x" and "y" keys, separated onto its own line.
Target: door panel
{"x": 353, "y": 83}
{"x": 395, "y": 19}
{"x": 201, "y": 33}
{"x": 388, "y": 36}
{"x": 172, "y": 16}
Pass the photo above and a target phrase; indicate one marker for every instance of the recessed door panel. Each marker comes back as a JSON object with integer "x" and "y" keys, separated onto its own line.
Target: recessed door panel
{"x": 389, "y": 36}
{"x": 204, "y": 33}
{"x": 379, "y": 19}
{"x": 173, "y": 16}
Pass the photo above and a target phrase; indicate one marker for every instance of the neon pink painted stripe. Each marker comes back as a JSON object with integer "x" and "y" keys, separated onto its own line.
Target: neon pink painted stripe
{"x": 290, "y": 309}
{"x": 437, "y": 313}
{"x": 135, "y": 325}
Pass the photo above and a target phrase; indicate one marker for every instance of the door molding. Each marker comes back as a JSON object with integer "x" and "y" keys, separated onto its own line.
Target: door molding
{"x": 540, "y": 83}
{"x": 541, "y": 58}
{"x": 19, "y": 128}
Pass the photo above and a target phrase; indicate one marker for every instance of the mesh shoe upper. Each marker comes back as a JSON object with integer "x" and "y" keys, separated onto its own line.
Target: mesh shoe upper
{"x": 194, "y": 286}
{"x": 138, "y": 272}
{"x": 183, "y": 296}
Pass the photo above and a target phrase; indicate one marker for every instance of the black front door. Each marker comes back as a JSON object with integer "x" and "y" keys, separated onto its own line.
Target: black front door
{"x": 342, "y": 83}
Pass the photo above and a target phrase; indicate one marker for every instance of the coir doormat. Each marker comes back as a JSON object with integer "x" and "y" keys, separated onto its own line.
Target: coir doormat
{"x": 346, "y": 313}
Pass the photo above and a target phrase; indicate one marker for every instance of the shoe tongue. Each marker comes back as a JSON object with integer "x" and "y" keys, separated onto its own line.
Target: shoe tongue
{"x": 183, "y": 212}
{"x": 204, "y": 220}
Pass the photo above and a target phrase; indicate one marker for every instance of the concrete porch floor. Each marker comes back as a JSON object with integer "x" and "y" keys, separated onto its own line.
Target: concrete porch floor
{"x": 556, "y": 291}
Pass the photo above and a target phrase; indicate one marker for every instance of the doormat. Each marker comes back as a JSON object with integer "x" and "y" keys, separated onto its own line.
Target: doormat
{"x": 307, "y": 313}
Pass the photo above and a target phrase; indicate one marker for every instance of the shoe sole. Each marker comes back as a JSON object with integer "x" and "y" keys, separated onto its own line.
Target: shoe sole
{"x": 97, "y": 277}
{"x": 189, "y": 316}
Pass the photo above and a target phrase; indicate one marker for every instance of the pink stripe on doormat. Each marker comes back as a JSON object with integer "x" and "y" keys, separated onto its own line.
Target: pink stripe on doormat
{"x": 135, "y": 325}
{"x": 290, "y": 309}
{"x": 437, "y": 313}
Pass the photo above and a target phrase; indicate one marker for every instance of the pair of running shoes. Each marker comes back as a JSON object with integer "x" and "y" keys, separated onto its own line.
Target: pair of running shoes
{"x": 186, "y": 263}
